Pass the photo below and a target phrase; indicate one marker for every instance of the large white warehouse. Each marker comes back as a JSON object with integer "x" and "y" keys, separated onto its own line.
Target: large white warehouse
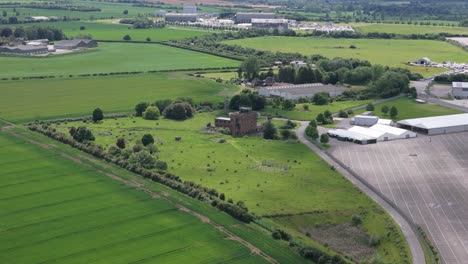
{"x": 437, "y": 124}
{"x": 395, "y": 132}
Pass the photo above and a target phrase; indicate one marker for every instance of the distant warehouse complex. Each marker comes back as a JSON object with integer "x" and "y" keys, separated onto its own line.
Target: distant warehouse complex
{"x": 176, "y": 17}
{"x": 294, "y": 92}
{"x": 247, "y": 17}
{"x": 280, "y": 24}
{"x": 436, "y": 125}
{"x": 371, "y": 135}
{"x": 25, "y": 50}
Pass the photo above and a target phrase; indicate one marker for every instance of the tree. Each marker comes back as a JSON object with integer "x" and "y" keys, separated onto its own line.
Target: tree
{"x": 393, "y": 112}
{"x": 147, "y": 139}
{"x": 370, "y": 107}
{"x": 125, "y": 12}
{"x": 250, "y": 67}
{"x": 142, "y": 159}
{"x": 320, "y": 99}
{"x": 320, "y": 118}
{"x": 114, "y": 151}
{"x": 288, "y": 105}
{"x": 120, "y": 143}
{"x": 83, "y": 134}
{"x": 285, "y": 133}
{"x": 140, "y": 108}
{"x": 305, "y": 107}
{"x": 178, "y": 111}
{"x": 6, "y": 32}
{"x": 269, "y": 131}
{"x": 313, "y": 123}
{"x": 98, "y": 115}
{"x": 390, "y": 84}
{"x": 327, "y": 114}
{"x": 324, "y": 138}
{"x": 222, "y": 196}
{"x": 82, "y": 27}
{"x": 161, "y": 165}
{"x": 151, "y": 113}
{"x": 385, "y": 109}
{"x": 152, "y": 148}
{"x": 162, "y": 104}
{"x": 72, "y": 131}
{"x": 148, "y": 39}
{"x": 127, "y": 38}
{"x": 312, "y": 132}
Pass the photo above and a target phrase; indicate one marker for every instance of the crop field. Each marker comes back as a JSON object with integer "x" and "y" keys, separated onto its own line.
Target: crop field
{"x": 406, "y": 29}
{"x": 392, "y": 52}
{"x": 51, "y": 98}
{"x": 259, "y": 172}
{"x": 112, "y": 57}
{"x": 114, "y": 31}
{"x": 298, "y": 113}
{"x": 55, "y": 210}
{"x": 408, "y": 108}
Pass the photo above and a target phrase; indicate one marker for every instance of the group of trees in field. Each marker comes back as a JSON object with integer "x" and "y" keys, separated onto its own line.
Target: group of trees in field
{"x": 312, "y": 131}
{"x": 459, "y": 77}
{"x": 271, "y": 132}
{"x": 248, "y": 99}
{"x": 305, "y": 74}
{"x": 35, "y": 32}
{"x": 141, "y": 22}
{"x": 180, "y": 109}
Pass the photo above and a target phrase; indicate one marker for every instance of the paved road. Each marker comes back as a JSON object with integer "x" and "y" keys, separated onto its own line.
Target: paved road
{"x": 417, "y": 252}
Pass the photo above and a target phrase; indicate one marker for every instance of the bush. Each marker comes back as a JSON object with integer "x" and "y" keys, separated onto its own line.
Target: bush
{"x": 98, "y": 115}
{"x": 140, "y": 108}
{"x": 178, "y": 111}
{"x": 147, "y": 139}
{"x": 269, "y": 132}
{"x": 127, "y": 37}
{"x": 356, "y": 220}
{"x": 152, "y": 148}
{"x": 324, "y": 138}
{"x": 151, "y": 113}
{"x": 83, "y": 134}
{"x": 342, "y": 114}
{"x": 161, "y": 165}
{"x": 120, "y": 143}
{"x": 114, "y": 151}
{"x": 142, "y": 159}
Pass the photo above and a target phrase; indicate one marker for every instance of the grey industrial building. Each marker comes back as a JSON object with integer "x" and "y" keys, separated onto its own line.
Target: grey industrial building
{"x": 25, "y": 50}
{"x": 275, "y": 23}
{"x": 437, "y": 124}
{"x": 301, "y": 90}
{"x": 176, "y": 17}
{"x": 460, "y": 90}
{"x": 190, "y": 9}
{"x": 72, "y": 44}
{"x": 247, "y": 17}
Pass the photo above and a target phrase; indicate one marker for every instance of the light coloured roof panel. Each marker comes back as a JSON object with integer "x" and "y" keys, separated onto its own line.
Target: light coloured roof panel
{"x": 437, "y": 121}
{"x": 389, "y": 129}
{"x": 367, "y": 131}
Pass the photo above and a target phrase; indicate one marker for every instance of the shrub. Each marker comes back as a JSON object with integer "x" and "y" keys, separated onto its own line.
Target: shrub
{"x": 324, "y": 138}
{"x": 142, "y": 159}
{"x": 120, "y": 143}
{"x": 83, "y": 134}
{"x": 151, "y": 113}
{"x": 161, "y": 165}
{"x": 114, "y": 151}
{"x": 178, "y": 111}
{"x": 269, "y": 131}
{"x": 137, "y": 148}
{"x": 98, "y": 115}
{"x": 127, "y": 37}
{"x": 356, "y": 220}
{"x": 342, "y": 114}
{"x": 152, "y": 148}
{"x": 140, "y": 108}
{"x": 147, "y": 139}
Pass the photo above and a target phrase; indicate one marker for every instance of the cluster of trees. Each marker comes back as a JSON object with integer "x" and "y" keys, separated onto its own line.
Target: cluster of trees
{"x": 459, "y": 77}
{"x": 134, "y": 164}
{"x": 180, "y": 109}
{"x": 249, "y": 99}
{"x": 35, "y": 32}
{"x": 301, "y": 75}
{"x": 142, "y": 22}
{"x": 271, "y": 132}
{"x": 36, "y": 5}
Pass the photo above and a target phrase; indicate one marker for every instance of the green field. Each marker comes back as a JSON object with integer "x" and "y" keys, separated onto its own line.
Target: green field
{"x": 391, "y": 52}
{"x": 22, "y": 101}
{"x": 408, "y": 108}
{"x": 53, "y": 209}
{"x": 112, "y": 57}
{"x": 300, "y": 114}
{"x": 262, "y": 173}
{"x": 406, "y": 29}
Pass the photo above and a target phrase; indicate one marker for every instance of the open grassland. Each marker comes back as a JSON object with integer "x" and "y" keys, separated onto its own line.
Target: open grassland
{"x": 274, "y": 178}
{"x": 408, "y": 108}
{"x": 115, "y": 31}
{"x": 391, "y": 52}
{"x": 22, "y": 101}
{"x": 112, "y": 57}
{"x": 55, "y": 210}
{"x": 298, "y": 113}
{"x": 406, "y": 29}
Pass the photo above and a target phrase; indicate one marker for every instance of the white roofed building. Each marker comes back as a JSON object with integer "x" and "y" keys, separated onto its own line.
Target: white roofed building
{"x": 379, "y": 135}
{"x": 397, "y": 133}
{"x": 437, "y": 124}
{"x": 270, "y": 23}
{"x": 460, "y": 90}
{"x": 364, "y": 120}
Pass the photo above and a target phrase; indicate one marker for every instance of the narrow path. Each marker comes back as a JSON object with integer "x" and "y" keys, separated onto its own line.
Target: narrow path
{"x": 231, "y": 236}
{"x": 417, "y": 252}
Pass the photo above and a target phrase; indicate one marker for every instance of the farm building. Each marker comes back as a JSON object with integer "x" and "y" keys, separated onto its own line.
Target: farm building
{"x": 294, "y": 92}
{"x": 280, "y": 24}
{"x": 364, "y": 120}
{"x": 240, "y": 123}
{"x": 75, "y": 44}
{"x": 460, "y": 90}
{"x": 190, "y": 9}
{"x": 423, "y": 61}
{"x": 298, "y": 64}
{"x": 437, "y": 124}
{"x": 38, "y": 42}
{"x": 175, "y": 17}
{"x": 347, "y": 135}
{"x": 25, "y": 50}
{"x": 396, "y": 133}
{"x": 247, "y": 17}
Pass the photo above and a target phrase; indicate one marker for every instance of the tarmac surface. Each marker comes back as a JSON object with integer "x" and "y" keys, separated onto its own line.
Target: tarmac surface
{"x": 426, "y": 177}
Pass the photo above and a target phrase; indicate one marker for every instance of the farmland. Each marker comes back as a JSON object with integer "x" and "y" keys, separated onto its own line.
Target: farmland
{"x": 112, "y": 57}
{"x": 51, "y": 98}
{"x": 52, "y": 202}
{"x": 406, "y": 29}
{"x": 408, "y": 108}
{"x": 259, "y": 172}
{"x": 392, "y": 52}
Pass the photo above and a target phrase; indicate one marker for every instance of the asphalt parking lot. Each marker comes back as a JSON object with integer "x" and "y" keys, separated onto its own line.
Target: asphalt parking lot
{"x": 427, "y": 177}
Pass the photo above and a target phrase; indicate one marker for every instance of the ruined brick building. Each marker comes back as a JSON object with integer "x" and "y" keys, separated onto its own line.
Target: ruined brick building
{"x": 240, "y": 123}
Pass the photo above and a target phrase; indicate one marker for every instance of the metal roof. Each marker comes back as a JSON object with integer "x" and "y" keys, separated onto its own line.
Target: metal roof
{"x": 366, "y": 117}
{"x": 306, "y": 87}
{"x": 460, "y": 84}
{"x": 367, "y": 131}
{"x": 391, "y": 130}
{"x": 437, "y": 121}
{"x": 269, "y": 20}
{"x": 350, "y": 134}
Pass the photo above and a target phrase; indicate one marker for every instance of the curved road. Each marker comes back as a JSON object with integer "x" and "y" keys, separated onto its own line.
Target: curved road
{"x": 417, "y": 252}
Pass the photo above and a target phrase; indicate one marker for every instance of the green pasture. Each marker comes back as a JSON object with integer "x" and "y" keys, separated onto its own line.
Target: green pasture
{"x": 26, "y": 100}
{"x": 406, "y": 29}
{"x": 112, "y": 57}
{"x": 298, "y": 113}
{"x": 55, "y": 210}
{"x": 264, "y": 174}
{"x": 408, "y": 108}
{"x": 390, "y": 52}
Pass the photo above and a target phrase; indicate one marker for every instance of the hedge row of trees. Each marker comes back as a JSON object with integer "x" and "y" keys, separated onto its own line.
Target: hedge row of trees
{"x": 35, "y": 32}
{"x": 459, "y": 77}
{"x": 179, "y": 109}
{"x": 211, "y": 196}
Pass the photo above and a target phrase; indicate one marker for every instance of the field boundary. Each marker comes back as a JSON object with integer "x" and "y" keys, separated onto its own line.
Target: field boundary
{"x": 230, "y": 235}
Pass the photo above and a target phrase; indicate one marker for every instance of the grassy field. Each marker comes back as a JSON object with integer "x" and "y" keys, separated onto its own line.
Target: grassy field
{"x": 392, "y": 52}
{"x": 55, "y": 210}
{"x": 262, "y": 173}
{"x": 408, "y": 108}
{"x": 112, "y": 57}
{"x": 51, "y": 98}
{"x": 406, "y": 29}
{"x": 300, "y": 114}
{"x": 112, "y": 31}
